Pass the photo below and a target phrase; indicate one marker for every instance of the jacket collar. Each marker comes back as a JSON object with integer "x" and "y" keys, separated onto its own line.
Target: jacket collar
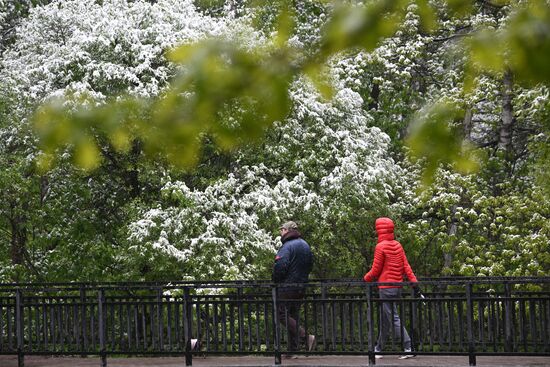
{"x": 290, "y": 235}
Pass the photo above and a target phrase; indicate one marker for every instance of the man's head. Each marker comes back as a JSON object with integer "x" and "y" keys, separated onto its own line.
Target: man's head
{"x": 287, "y": 227}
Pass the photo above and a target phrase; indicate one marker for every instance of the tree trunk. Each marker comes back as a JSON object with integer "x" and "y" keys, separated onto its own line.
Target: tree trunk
{"x": 374, "y": 95}
{"x": 133, "y": 175}
{"x": 507, "y": 116}
{"x": 18, "y": 241}
{"x": 467, "y": 123}
{"x": 448, "y": 256}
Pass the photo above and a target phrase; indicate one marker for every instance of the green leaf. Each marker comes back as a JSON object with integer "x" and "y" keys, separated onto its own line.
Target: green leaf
{"x": 86, "y": 154}
{"x": 436, "y": 141}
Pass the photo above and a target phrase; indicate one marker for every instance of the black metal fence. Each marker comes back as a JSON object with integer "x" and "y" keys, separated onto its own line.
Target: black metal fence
{"x": 458, "y": 316}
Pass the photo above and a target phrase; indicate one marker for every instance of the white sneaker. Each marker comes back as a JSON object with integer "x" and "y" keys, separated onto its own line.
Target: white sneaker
{"x": 407, "y": 356}
{"x": 311, "y": 342}
{"x": 378, "y": 356}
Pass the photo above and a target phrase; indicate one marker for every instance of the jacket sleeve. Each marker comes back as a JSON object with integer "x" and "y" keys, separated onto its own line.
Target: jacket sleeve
{"x": 280, "y": 267}
{"x": 377, "y": 265}
{"x": 408, "y": 270}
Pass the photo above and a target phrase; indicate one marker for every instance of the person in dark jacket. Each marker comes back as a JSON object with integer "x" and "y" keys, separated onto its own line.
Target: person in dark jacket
{"x": 389, "y": 265}
{"x": 293, "y": 263}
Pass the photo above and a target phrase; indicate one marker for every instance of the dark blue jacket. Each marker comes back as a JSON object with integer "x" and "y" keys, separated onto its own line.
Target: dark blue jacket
{"x": 293, "y": 262}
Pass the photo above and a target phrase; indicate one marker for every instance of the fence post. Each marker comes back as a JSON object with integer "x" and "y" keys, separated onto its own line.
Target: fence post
{"x": 241, "y": 317}
{"x": 370, "y": 324}
{"x": 470, "y": 322}
{"x": 102, "y": 328}
{"x": 277, "y": 329}
{"x": 160, "y": 320}
{"x": 19, "y": 327}
{"x": 83, "y": 341}
{"x": 412, "y": 310}
{"x": 508, "y": 343}
{"x": 187, "y": 321}
{"x": 325, "y": 317}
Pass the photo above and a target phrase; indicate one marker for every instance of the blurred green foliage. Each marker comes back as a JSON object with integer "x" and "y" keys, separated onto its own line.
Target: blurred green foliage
{"x": 436, "y": 138}
{"x": 234, "y": 93}
{"x": 227, "y": 95}
{"x": 523, "y": 45}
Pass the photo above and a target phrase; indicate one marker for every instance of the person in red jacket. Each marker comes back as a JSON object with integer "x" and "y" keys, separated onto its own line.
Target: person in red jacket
{"x": 389, "y": 265}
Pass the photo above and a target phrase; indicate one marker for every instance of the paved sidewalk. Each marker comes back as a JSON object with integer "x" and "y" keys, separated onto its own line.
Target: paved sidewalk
{"x": 250, "y": 361}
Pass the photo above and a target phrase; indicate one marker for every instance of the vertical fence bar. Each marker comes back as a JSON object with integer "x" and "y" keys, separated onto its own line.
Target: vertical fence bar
{"x": 215, "y": 326}
{"x": 266, "y": 325}
{"x": 470, "y": 321}
{"x": 257, "y": 329}
{"x": 370, "y": 323}
{"x": 187, "y": 323}
{"x": 360, "y": 327}
{"x": 29, "y": 327}
{"x": 169, "y": 323}
{"x": 324, "y": 317}
{"x": 351, "y": 325}
{"x": 240, "y": 318}
{"x": 111, "y": 313}
{"x": 276, "y": 326}
{"x": 333, "y": 323}
{"x": 412, "y": 311}
{"x": 160, "y": 320}
{"x": 248, "y": 324}
{"x": 102, "y": 329}
{"x": 232, "y": 325}
{"x": 19, "y": 327}
{"x": 9, "y": 326}
{"x": 420, "y": 339}
{"x": 84, "y": 340}
{"x": 342, "y": 317}
{"x": 224, "y": 325}
{"x": 508, "y": 342}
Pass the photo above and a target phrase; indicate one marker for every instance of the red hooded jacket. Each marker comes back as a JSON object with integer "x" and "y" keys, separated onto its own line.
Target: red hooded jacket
{"x": 390, "y": 262}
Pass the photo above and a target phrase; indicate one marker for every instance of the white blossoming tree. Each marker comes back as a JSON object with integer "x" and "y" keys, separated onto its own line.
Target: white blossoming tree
{"x": 322, "y": 167}
{"x": 54, "y": 223}
{"x": 333, "y": 120}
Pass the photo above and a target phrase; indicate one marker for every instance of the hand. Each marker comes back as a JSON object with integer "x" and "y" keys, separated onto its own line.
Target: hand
{"x": 417, "y": 291}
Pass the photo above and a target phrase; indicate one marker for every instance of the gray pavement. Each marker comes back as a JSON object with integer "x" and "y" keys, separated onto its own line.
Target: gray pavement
{"x": 250, "y": 361}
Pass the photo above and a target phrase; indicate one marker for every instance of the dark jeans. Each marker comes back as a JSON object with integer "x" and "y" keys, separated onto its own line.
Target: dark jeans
{"x": 389, "y": 319}
{"x": 289, "y": 316}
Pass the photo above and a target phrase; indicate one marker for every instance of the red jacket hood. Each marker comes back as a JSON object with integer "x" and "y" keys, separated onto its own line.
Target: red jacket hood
{"x": 384, "y": 228}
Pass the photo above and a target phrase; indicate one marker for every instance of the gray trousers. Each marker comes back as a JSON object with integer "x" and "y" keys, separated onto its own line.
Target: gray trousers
{"x": 389, "y": 318}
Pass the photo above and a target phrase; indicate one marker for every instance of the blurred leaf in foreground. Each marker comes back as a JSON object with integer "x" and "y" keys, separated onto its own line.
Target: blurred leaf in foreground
{"x": 523, "y": 45}
{"x": 435, "y": 139}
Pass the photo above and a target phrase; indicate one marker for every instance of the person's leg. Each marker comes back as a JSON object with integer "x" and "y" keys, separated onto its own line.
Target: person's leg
{"x": 385, "y": 319}
{"x": 399, "y": 330}
{"x": 289, "y": 312}
{"x": 297, "y": 332}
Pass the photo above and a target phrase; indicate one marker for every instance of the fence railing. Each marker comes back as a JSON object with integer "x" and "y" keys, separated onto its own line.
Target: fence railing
{"x": 459, "y": 316}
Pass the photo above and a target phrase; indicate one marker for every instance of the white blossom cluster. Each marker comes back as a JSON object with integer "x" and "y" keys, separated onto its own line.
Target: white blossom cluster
{"x": 324, "y": 152}
{"x": 3, "y": 12}
{"x": 88, "y": 49}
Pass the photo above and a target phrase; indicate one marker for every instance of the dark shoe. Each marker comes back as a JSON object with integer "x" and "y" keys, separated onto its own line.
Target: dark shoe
{"x": 311, "y": 342}
{"x": 289, "y": 356}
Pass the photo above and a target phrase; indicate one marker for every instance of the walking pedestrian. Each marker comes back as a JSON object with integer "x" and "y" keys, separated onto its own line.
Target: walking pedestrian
{"x": 293, "y": 263}
{"x": 389, "y": 265}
